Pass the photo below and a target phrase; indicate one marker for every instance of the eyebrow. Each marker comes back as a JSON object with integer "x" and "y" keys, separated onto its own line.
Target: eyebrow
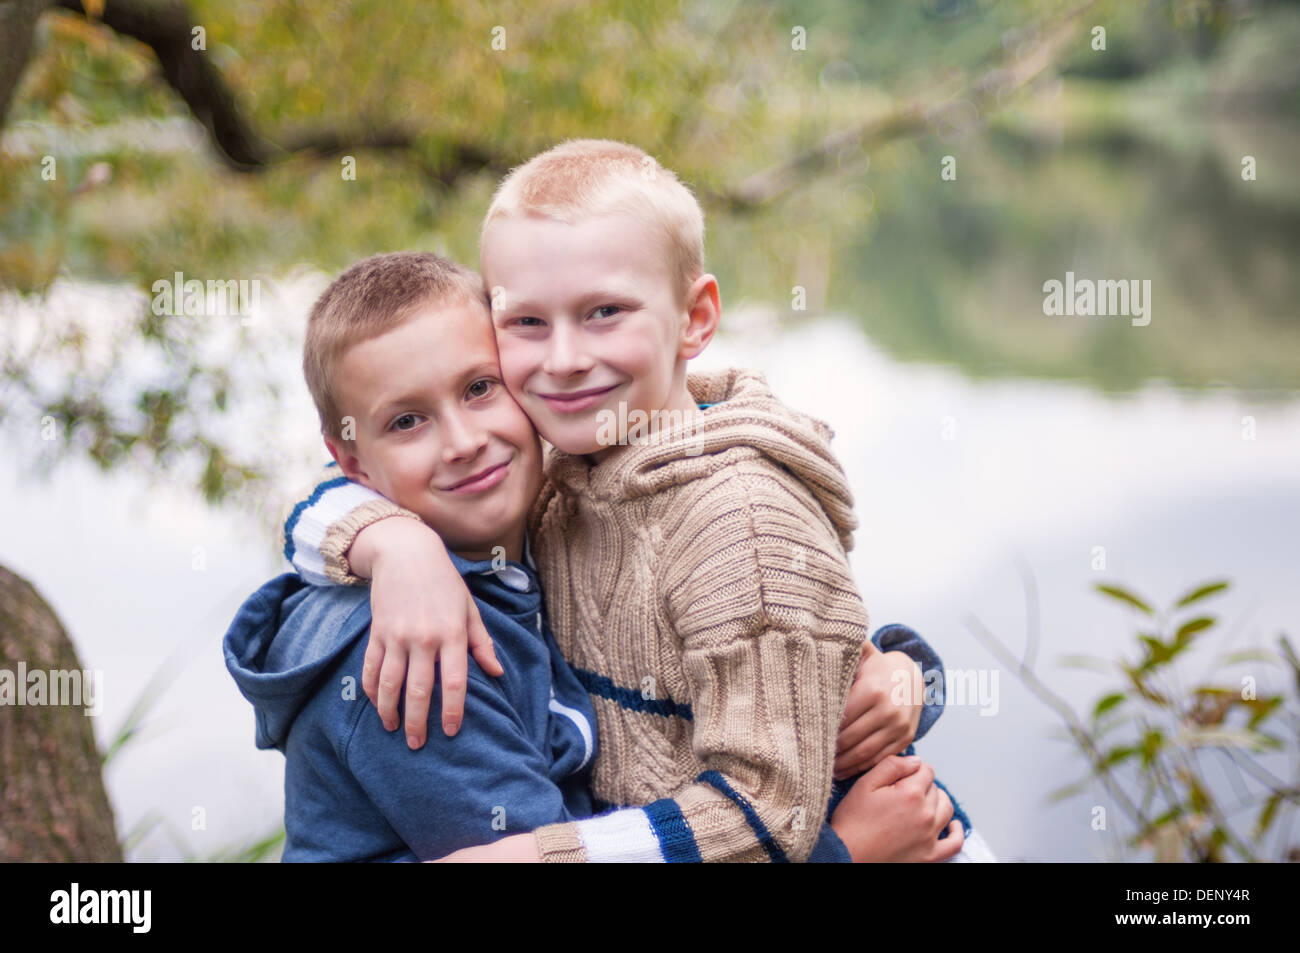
{"x": 587, "y": 300}
{"x": 481, "y": 369}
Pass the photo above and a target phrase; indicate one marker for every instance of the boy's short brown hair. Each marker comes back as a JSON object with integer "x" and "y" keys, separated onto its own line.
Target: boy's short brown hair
{"x": 369, "y": 299}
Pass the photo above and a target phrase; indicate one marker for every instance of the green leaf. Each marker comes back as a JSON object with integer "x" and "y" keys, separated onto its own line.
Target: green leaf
{"x": 1250, "y": 655}
{"x": 1261, "y": 708}
{"x": 1190, "y": 628}
{"x": 1116, "y": 755}
{"x": 1227, "y": 738}
{"x": 1157, "y": 653}
{"x": 1172, "y": 814}
{"x": 1154, "y": 646}
{"x": 1107, "y": 703}
{"x": 1289, "y": 653}
{"x": 1151, "y": 743}
{"x": 1203, "y": 592}
{"x": 1069, "y": 790}
{"x": 1123, "y": 595}
{"x": 1268, "y": 814}
{"x": 1085, "y": 661}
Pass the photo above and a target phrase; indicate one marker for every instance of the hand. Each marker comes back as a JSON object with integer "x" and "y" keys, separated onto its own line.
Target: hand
{"x": 894, "y": 814}
{"x": 421, "y": 614}
{"x": 882, "y": 713}
{"x": 515, "y": 849}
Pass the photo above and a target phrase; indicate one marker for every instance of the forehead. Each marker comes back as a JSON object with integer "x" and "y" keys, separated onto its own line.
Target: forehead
{"x": 535, "y": 250}
{"x": 436, "y": 344}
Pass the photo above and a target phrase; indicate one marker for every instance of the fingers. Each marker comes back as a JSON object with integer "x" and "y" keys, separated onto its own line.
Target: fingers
{"x": 370, "y": 669}
{"x": 865, "y": 753}
{"x": 480, "y": 644}
{"x": 941, "y": 806}
{"x": 453, "y": 662}
{"x": 919, "y": 782}
{"x": 864, "y": 700}
{"x": 391, "y": 675}
{"x": 419, "y": 693}
{"x": 890, "y": 771}
{"x": 861, "y": 720}
{"x": 950, "y": 846}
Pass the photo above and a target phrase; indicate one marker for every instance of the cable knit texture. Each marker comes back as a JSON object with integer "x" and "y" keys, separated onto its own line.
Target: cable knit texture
{"x": 700, "y": 584}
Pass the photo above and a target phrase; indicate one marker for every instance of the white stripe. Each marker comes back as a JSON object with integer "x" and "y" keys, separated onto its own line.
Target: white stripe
{"x": 315, "y": 520}
{"x": 974, "y": 850}
{"x": 623, "y": 837}
{"x": 579, "y": 720}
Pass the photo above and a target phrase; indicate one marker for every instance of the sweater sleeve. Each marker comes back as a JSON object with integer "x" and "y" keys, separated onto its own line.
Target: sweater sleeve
{"x": 323, "y": 522}
{"x": 758, "y": 590}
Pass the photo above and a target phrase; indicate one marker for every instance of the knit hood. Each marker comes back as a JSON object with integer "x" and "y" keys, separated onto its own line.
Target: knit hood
{"x": 745, "y": 422}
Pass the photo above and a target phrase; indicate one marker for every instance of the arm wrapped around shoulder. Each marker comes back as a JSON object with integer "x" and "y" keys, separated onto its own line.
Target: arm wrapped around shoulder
{"x": 323, "y": 521}
{"x": 758, "y": 588}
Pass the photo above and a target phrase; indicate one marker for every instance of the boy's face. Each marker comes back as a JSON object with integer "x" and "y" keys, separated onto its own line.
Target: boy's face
{"x": 436, "y": 430}
{"x": 587, "y": 317}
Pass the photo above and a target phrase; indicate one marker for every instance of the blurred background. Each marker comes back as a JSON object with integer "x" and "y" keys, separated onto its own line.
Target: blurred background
{"x": 887, "y": 188}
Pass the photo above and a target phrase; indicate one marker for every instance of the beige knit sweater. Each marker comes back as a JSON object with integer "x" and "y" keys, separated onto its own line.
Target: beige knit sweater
{"x": 700, "y": 588}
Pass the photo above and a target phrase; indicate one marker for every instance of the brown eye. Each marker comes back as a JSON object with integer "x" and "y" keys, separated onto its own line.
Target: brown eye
{"x": 485, "y": 384}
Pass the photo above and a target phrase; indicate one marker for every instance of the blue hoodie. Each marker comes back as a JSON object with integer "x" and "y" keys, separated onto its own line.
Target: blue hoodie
{"x": 354, "y": 791}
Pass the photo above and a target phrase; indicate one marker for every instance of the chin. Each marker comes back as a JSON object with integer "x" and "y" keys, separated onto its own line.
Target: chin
{"x": 579, "y": 447}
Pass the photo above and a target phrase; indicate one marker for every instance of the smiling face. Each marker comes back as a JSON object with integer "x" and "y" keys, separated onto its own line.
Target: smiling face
{"x": 437, "y": 432}
{"x": 587, "y": 316}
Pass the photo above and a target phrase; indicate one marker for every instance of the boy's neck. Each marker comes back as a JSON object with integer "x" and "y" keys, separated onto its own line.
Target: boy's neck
{"x": 512, "y": 544}
{"x": 679, "y": 399}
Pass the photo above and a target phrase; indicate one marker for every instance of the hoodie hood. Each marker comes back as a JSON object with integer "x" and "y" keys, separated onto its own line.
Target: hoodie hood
{"x": 279, "y": 675}
{"x": 744, "y": 421}
{"x": 289, "y": 634}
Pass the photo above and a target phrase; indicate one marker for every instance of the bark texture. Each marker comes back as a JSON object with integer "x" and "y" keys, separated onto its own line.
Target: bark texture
{"x": 53, "y": 806}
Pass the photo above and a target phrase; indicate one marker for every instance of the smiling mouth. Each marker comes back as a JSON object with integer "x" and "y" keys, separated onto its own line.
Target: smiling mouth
{"x": 483, "y": 480}
{"x": 578, "y": 400}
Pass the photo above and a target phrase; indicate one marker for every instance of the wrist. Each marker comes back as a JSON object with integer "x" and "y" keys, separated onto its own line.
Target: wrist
{"x": 845, "y": 833}
{"x": 392, "y": 541}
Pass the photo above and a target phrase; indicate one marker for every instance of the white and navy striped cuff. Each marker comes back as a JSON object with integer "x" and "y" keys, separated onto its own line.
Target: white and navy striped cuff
{"x": 308, "y": 524}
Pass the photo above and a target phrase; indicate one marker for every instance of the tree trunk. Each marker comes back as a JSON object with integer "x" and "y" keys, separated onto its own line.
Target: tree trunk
{"x": 17, "y": 23}
{"x": 53, "y": 806}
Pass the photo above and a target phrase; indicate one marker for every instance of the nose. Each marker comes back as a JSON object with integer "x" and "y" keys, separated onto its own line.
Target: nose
{"x": 462, "y": 438}
{"x": 566, "y": 357}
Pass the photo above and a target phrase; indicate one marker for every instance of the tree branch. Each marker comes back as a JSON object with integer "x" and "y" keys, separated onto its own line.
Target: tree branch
{"x": 912, "y": 119}
{"x": 165, "y": 26}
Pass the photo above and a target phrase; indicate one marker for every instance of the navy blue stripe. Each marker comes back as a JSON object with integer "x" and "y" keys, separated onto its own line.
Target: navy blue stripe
{"x": 630, "y": 698}
{"x": 774, "y": 851}
{"x": 957, "y": 813}
{"x": 676, "y": 841}
{"x": 292, "y": 521}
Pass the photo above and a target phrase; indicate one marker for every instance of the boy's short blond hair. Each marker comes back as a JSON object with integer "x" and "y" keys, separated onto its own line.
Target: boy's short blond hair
{"x": 369, "y": 299}
{"x": 582, "y": 178}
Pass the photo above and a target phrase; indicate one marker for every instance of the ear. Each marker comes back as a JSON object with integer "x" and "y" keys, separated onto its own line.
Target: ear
{"x": 703, "y": 312}
{"x": 348, "y": 461}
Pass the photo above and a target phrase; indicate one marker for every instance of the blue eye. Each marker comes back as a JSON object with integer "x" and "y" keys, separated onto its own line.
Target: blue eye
{"x": 487, "y": 383}
{"x": 613, "y": 309}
